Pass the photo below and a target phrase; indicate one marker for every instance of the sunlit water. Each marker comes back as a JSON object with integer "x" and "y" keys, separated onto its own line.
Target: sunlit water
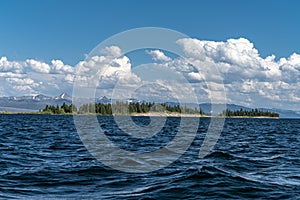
{"x": 42, "y": 156}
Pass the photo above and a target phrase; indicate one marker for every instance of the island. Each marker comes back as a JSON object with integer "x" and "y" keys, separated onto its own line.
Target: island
{"x": 151, "y": 109}
{"x": 257, "y": 113}
{"x": 123, "y": 109}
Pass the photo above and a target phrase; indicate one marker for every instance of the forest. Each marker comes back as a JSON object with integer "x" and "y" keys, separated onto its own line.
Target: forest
{"x": 119, "y": 108}
{"x": 249, "y": 113}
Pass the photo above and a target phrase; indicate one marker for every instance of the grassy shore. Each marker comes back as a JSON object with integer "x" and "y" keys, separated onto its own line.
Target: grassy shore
{"x": 256, "y": 117}
{"x": 166, "y": 114}
{"x": 149, "y": 114}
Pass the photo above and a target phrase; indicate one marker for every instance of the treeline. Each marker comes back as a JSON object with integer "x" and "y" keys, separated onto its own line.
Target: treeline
{"x": 63, "y": 109}
{"x": 249, "y": 113}
{"x": 125, "y": 108}
{"x": 120, "y": 108}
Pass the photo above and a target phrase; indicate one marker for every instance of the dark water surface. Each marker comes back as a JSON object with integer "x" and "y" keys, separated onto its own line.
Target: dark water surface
{"x": 43, "y": 157}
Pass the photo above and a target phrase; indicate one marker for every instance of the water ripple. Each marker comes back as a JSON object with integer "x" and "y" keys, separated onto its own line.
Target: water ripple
{"x": 42, "y": 157}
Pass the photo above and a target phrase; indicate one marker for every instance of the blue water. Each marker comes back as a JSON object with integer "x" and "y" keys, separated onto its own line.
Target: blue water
{"x": 43, "y": 157}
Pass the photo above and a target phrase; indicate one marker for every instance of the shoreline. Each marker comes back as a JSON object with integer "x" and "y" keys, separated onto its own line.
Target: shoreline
{"x": 150, "y": 114}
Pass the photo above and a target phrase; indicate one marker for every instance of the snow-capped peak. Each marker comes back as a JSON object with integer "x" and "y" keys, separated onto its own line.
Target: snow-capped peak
{"x": 63, "y": 96}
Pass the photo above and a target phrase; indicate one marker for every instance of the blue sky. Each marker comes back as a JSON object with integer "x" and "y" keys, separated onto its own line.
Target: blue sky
{"x": 254, "y": 44}
{"x": 66, "y": 30}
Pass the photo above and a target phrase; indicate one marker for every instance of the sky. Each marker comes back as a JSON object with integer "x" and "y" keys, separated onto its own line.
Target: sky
{"x": 42, "y": 43}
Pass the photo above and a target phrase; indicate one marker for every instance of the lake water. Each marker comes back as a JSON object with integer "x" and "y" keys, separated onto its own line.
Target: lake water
{"x": 43, "y": 157}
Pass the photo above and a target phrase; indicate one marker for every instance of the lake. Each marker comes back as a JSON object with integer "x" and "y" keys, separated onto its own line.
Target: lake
{"x": 42, "y": 156}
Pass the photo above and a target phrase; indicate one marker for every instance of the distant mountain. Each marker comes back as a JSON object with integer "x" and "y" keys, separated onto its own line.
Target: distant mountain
{"x": 217, "y": 108}
{"x": 133, "y": 100}
{"x": 63, "y": 96}
{"x": 285, "y": 113}
{"x": 32, "y": 103}
{"x": 10, "y": 109}
{"x": 41, "y": 97}
{"x": 103, "y": 100}
{"x": 207, "y": 107}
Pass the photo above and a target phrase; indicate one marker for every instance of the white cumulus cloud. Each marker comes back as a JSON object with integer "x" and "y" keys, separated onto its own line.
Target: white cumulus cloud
{"x": 10, "y": 66}
{"x": 112, "y": 51}
{"x": 33, "y": 76}
{"x": 249, "y": 79}
{"x": 38, "y": 66}
{"x": 158, "y": 55}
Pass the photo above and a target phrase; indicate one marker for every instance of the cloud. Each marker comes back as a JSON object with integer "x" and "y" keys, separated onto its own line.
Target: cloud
{"x": 32, "y": 77}
{"x": 19, "y": 81}
{"x": 69, "y": 78}
{"x": 105, "y": 71}
{"x": 21, "y": 84}
{"x": 249, "y": 79}
{"x": 10, "y": 74}
{"x": 10, "y": 66}
{"x": 59, "y": 67}
{"x": 18, "y": 67}
{"x": 156, "y": 91}
{"x": 112, "y": 52}
{"x": 233, "y": 57}
{"x": 233, "y": 51}
{"x": 158, "y": 55}
{"x": 38, "y": 66}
